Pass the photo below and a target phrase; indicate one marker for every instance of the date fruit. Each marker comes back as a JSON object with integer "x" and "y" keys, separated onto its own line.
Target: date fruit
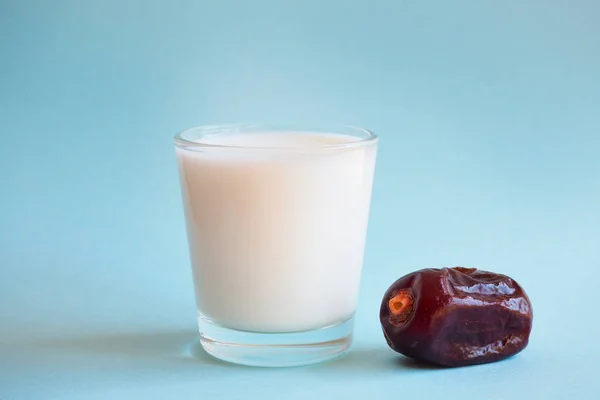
{"x": 456, "y": 316}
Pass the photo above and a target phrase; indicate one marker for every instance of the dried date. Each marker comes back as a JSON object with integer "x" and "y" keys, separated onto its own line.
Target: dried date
{"x": 456, "y": 316}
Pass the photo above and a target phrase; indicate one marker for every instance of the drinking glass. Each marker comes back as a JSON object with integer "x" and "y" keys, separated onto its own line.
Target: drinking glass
{"x": 276, "y": 218}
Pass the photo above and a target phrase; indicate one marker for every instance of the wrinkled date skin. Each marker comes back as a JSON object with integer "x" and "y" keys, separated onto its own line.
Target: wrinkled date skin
{"x": 456, "y": 316}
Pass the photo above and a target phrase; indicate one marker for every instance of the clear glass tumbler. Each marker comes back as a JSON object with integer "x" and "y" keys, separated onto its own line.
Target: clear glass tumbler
{"x": 276, "y": 220}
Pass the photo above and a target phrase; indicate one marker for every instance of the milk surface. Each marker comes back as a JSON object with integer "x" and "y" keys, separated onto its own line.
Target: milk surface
{"x": 277, "y": 236}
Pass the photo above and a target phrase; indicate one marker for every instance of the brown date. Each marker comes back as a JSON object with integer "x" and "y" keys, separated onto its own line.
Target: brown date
{"x": 456, "y": 316}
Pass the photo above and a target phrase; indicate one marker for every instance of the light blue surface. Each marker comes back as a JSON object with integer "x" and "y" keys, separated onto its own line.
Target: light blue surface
{"x": 489, "y": 119}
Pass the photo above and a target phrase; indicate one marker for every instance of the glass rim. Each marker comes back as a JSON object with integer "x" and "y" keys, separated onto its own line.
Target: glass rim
{"x": 367, "y": 137}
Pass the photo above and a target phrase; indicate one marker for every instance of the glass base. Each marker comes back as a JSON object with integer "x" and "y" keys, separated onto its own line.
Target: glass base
{"x": 275, "y": 349}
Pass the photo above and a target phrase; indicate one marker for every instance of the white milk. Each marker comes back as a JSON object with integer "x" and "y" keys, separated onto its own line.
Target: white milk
{"x": 277, "y": 236}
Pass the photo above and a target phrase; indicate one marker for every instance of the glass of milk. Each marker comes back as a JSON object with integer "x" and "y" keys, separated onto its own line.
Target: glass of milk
{"x": 276, "y": 221}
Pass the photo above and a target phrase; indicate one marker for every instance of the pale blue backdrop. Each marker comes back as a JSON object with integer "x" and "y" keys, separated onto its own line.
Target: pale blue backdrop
{"x": 489, "y": 118}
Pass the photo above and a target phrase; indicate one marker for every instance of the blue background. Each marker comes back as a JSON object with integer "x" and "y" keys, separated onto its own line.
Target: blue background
{"x": 489, "y": 119}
